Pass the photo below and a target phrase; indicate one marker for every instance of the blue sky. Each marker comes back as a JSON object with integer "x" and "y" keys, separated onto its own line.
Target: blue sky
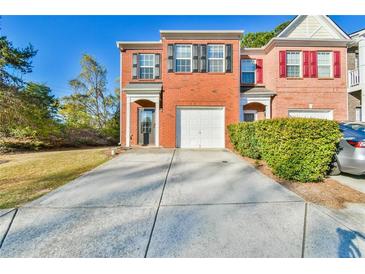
{"x": 61, "y": 40}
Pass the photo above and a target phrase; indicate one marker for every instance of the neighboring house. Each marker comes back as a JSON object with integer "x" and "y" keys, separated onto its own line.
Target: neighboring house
{"x": 356, "y": 76}
{"x": 302, "y": 72}
{"x": 184, "y": 90}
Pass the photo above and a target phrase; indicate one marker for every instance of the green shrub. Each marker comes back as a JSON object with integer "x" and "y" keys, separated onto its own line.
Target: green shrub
{"x": 10, "y": 144}
{"x": 299, "y": 149}
{"x": 244, "y": 140}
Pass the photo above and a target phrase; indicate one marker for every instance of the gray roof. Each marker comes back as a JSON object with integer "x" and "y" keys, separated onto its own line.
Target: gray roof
{"x": 152, "y": 86}
{"x": 257, "y": 91}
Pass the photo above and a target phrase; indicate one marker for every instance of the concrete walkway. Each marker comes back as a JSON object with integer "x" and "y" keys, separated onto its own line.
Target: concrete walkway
{"x": 175, "y": 203}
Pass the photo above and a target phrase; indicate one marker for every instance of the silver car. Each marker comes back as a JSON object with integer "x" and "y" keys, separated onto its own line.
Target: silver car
{"x": 350, "y": 157}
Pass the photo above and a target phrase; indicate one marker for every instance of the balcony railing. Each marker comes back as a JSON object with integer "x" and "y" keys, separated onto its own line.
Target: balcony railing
{"x": 354, "y": 78}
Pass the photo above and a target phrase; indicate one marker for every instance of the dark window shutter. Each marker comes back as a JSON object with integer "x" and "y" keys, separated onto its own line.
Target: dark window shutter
{"x": 336, "y": 64}
{"x": 282, "y": 63}
{"x": 313, "y": 64}
{"x": 203, "y": 58}
{"x": 170, "y": 58}
{"x": 135, "y": 66}
{"x": 306, "y": 64}
{"x": 259, "y": 71}
{"x": 157, "y": 66}
{"x": 229, "y": 58}
{"x": 195, "y": 58}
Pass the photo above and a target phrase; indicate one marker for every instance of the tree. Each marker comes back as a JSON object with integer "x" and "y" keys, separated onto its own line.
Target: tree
{"x": 28, "y": 111}
{"x": 89, "y": 94}
{"x": 14, "y": 61}
{"x": 75, "y": 113}
{"x": 260, "y": 39}
{"x": 41, "y": 96}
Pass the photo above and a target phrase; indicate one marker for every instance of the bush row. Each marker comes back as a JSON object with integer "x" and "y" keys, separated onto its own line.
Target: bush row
{"x": 299, "y": 149}
{"x": 69, "y": 137}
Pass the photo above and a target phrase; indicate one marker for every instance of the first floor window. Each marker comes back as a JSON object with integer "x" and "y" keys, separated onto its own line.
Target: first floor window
{"x": 293, "y": 61}
{"x": 183, "y": 58}
{"x": 215, "y": 58}
{"x": 248, "y": 69}
{"x": 146, "y": 66}
{"x": 324, "y": 61}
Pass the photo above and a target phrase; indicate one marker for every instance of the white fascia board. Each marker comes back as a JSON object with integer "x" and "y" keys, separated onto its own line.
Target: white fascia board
{"x": 202, "y": 31}
{"x": 120, "y": 44}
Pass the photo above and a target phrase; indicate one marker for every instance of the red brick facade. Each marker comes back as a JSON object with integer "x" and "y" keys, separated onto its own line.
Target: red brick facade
{"x": 185, "y": 89}
{"x": 303, "y": 93}
{"x": 223, "y": 89}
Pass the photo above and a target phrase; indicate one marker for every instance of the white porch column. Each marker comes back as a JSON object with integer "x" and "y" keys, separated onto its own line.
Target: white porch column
{"x": 268, "y": 110}
{"x": 243, "y": 101}
{"x": 128, "y": 122}
{"x": 362, "y": 75}
{"x": 157, "y": 122}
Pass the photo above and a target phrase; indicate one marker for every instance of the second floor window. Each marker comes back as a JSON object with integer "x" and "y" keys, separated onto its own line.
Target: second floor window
{"x": 324, "y": 61}
{"x": 146, "y": 66}
{"x": 215, "y": 58}
{"x": 248, "y": 69}
{"x": 293, "y": 64}
{"x": 183, "y": 58}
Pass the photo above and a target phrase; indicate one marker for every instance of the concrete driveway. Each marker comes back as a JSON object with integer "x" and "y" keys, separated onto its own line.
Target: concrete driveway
{"x": 175, "y": 203}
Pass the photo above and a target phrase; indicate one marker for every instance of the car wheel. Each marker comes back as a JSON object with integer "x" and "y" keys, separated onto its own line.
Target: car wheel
{"x": 335, "y": 169}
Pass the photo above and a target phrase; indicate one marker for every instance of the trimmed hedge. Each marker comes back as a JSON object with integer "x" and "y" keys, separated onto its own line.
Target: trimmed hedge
{"x": 299, "y": 149}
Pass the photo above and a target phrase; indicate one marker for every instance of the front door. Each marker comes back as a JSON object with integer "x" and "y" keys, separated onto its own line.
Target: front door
{"x": 146, "y": 126}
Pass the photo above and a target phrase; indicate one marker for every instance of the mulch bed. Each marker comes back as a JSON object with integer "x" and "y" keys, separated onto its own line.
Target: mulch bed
{"x": 329, "y": 193}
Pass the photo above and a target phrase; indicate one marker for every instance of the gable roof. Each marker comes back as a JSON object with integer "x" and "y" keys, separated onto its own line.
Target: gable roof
{"x": 313, "y": 27}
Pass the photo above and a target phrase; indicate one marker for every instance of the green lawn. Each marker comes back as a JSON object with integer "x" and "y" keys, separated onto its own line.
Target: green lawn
{"x": 27, "y": 176}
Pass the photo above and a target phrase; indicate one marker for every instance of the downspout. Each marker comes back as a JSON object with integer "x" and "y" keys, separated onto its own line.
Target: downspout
{"x": 120, "y": 98}
{"x": 362, "y": 75}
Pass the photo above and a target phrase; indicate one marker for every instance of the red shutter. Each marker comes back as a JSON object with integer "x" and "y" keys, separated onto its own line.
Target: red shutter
{"x": 259, "y": 71}
{"x": 305, "y": 64}
{"x": 282, "y": 63}
{"x": 336, "y": 64}
{"x": 313, "y": 64}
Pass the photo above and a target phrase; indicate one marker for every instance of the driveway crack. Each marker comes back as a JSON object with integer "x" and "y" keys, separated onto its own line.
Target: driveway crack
{"x": 159, "y": 204}
{"x": 304, "y": 228}
{"x": 7, "y": 230}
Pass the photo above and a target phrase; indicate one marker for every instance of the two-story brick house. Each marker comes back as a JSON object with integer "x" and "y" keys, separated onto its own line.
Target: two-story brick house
{"x": 183, "y": 90}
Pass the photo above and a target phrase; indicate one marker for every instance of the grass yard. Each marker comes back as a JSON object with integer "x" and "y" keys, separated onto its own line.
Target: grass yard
{"x": 27, "y": 176}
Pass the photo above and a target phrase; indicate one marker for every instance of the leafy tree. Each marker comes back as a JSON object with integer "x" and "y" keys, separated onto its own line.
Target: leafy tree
{"x": 41, "y": 96}
{"x": 14, "y": 61}
{"x": 112, "y": 126}
{"x": 75, "y": 113}
{"x": 29, "y": 111}
{"x": 260, "y": 39}
{"x": 90, "y": 93}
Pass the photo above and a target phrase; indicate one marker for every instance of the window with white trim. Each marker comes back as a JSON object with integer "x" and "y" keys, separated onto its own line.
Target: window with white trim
{"x": 146, "y": 66}
{"x": 324, "y": 63}
{"x": 215, "y": 58}
{"x": 293, "y": 64}
{"x": 183, "y": 58}
{"x": 248, "y": 71}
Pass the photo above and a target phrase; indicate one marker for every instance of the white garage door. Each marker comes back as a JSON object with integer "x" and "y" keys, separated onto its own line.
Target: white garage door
{"x": 311, "y": 113}
{"x": 200, "y": 127}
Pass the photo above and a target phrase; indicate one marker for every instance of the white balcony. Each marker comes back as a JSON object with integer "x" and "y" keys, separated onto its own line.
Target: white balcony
{"x": 353, "y": 80}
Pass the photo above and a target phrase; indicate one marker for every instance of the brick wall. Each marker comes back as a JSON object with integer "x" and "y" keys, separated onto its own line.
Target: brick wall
{"x": 304, "y": 92}
{"x": 186, "y": 89}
